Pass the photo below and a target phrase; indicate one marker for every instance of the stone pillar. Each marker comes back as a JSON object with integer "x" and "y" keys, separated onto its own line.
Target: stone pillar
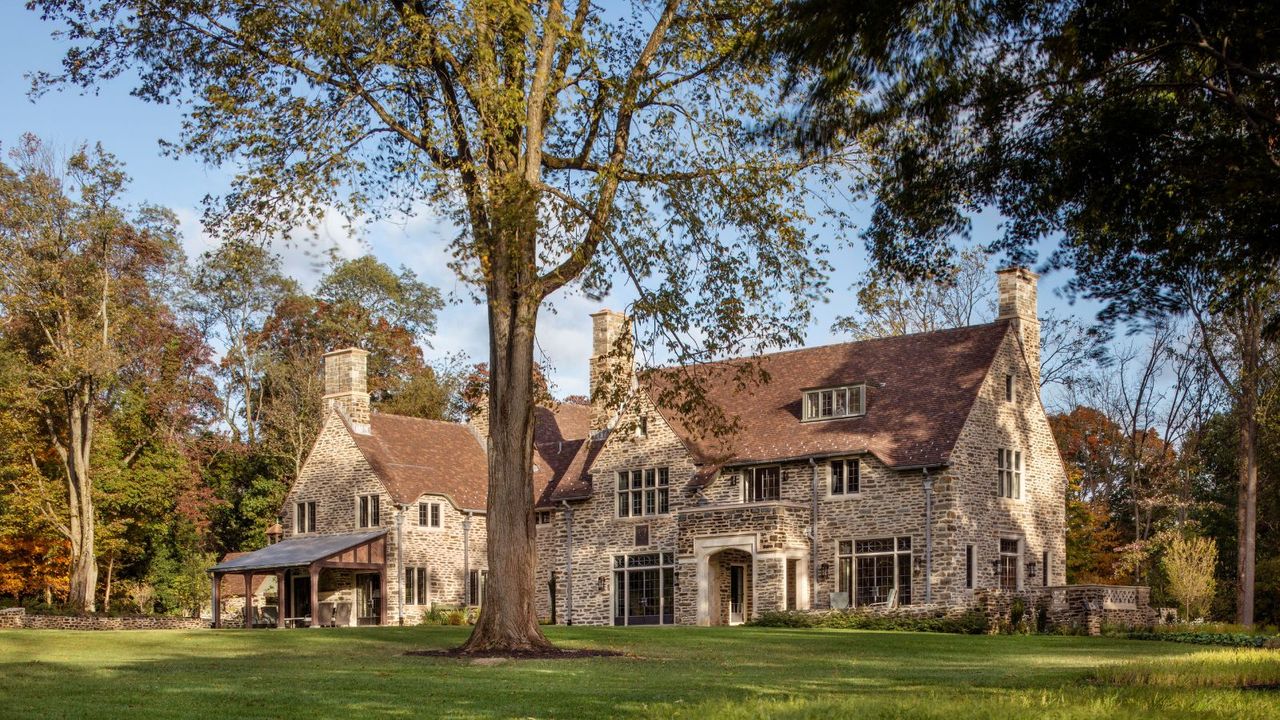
{"x": 1017, "y": 286}
{"x": 346, "y": 385}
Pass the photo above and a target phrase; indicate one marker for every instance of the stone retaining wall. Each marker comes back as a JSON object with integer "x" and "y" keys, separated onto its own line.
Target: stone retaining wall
{"x": 11, "y": 619}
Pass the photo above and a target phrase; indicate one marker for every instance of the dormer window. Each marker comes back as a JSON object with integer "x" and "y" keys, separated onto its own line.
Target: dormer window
{"x": 830, "y": 403}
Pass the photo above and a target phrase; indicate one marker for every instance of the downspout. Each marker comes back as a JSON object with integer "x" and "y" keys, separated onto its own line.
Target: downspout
{"x": 568, "y": 562}
{"x": 928, "y": 537}
{"x": 813, "y": 538}
{"x": 400, "y": 560}
{"x": 466, "y": 558}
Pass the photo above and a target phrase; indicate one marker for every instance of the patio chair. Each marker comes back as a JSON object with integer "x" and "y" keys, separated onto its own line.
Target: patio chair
{"x": 326, "y": 615}
{"x": 839, "y": 601}
{"x": 890, "y": 601}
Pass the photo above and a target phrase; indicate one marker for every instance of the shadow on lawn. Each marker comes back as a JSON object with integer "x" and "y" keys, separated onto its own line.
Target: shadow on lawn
{"x": 730, "y": 673}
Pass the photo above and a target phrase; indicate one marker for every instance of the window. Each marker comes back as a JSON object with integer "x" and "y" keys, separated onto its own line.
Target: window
{"x": 475, "y": 586}
{"x": 1044, "y": 568}
{"x": 642, "y": 426}
{"x": 763, "y": 484}
{"x": 642, "y": 535}
{"x": 367, "y": 514}
{"x": 830, "y": 403}
{"x": 643, "y": 492}
{"x": 846, "y": 477}
{"x": 429, "y": 514}
{"x": 542, "y": 517}
{"x": 1009, "y": 473}
{"x": 1009, "y": 388}
{"x": 870, "y": 569}
{"x": 1010, "y": 551}
{"x": 970, "y": 565}
{"x": 644, "y": 589}
{"x": 304, "y": 517}
{"x": 415, "y": 586}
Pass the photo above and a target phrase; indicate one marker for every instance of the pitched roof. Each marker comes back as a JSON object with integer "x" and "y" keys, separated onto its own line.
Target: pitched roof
{"x": 294, "y": 552}
{"x": 919, "y": 390}
{"x": 414, "y": 456}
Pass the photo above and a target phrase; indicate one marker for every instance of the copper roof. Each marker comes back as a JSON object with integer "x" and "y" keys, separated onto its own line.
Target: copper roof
{"x": 919, "y": 391}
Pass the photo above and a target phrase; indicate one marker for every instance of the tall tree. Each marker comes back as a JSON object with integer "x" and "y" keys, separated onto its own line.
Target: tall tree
{"x": 566, "y": 142}
{"x": 1140, "y": 138}
{"x": 76, "y": 279}
{"x": 232, "y": 291}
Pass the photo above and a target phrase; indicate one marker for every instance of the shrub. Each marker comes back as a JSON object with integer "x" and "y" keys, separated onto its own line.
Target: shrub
{"x": 456, "y": 617}
{"x": 1245, "y": 640}
{"x": 970, "y": 622}
{"x": 1189, "y": 563}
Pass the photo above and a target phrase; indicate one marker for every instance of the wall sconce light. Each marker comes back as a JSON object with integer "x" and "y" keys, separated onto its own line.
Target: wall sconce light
{"x": 824, "y": 572}
{"x": 601, "y": 583}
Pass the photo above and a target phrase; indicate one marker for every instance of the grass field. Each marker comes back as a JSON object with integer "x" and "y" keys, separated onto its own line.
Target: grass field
{"x": 668, "y": 672}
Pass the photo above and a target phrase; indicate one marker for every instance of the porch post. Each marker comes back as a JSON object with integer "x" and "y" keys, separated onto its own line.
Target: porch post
{"x": 382, "y": 606}
{"x": 280, "y": 603}
{"x": 314, "y": 570}
{"x": 248, "y": 600}
{"x": 217, "y": 600}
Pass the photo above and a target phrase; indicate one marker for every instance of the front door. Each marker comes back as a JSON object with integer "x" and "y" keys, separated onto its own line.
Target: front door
{"x": 793, "y": 570}
{"x": 368, "y": 598}
{"x": 737, "y": 593}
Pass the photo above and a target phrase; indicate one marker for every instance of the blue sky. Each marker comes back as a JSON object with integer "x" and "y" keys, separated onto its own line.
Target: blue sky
{"x": 130, "y": 129}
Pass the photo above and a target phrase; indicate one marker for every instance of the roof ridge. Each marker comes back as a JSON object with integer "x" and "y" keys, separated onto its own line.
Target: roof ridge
{"x": 827, "y": 346}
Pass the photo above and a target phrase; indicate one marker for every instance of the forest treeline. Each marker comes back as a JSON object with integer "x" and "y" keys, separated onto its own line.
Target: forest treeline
{"x": 153, "y": 407}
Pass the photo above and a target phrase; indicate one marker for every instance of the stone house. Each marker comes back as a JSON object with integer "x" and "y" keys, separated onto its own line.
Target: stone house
{"x": 386, "y": 517}
{"x": 907, "y": 471}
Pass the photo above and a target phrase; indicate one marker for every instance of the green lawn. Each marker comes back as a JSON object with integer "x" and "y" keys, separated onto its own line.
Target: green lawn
{"x": 669, "y": 672}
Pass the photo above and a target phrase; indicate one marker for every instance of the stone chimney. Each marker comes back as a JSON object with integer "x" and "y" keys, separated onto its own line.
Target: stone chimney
{"x": 1017, "y": 287}
{"x": 612, "y": 366}
{"x": 346, "y": 385}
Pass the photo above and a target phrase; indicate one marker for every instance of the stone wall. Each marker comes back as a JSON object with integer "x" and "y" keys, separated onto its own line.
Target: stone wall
{"x": 967, "y": 510}
{"x": 12, "y": 619}
{"x": 336, "y": 473}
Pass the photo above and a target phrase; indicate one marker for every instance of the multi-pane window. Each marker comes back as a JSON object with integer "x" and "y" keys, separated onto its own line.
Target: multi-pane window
{"x": 304, "y": 517}
{"x": 1009, "y": 473}
{"x": 643, "y": 492}
{"x": 644, "y": 589}
{"x": 415, "y": 586}
{"x": 869, "y": 570}
{"x": 542, "y": 517}
{"x": 367, "y": 511}
{"x": 763, "y": 484}
{"x": 475, "y": 586}
{"x": 970, "y": 565}
{"x": 429, "y": 514}
{"x": 831, "y": 403}
{"x": 1010, "y": 552}
{"x": 846, "y": 477}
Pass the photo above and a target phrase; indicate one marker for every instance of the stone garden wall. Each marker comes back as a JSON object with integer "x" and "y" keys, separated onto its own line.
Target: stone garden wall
{"x": 18, "y": 618}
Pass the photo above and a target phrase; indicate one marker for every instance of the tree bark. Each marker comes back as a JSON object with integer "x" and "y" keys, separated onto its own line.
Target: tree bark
{"x": 508, "y": 619}
{"x": 1247, "y": 462}
{"x": 84, "y": 566}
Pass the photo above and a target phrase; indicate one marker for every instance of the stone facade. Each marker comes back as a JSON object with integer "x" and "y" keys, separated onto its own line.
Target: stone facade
{"x": 334, "y": 476}
{"x": 788, "y": 569}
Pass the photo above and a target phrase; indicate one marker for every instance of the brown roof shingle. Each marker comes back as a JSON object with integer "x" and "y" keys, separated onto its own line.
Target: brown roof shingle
{"x": 414, "y": 456}
{"x": 919, "y": 390}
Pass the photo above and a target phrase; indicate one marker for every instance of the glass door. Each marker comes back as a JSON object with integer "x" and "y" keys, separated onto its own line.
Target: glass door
{"x": 368, "y": 599}
{"x": 737, "y": 593}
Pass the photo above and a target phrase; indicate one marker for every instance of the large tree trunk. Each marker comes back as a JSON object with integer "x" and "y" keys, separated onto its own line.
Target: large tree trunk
{"x": 1247, "y": 462}
{"x": 84, "y": 565}
{"x": 508, "y": 619}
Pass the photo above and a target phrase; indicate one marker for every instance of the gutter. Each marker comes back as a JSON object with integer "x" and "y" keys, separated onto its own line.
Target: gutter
{"x": 928, "y": 537}
{"x": 813, "y": 538}
{"x": 466, "y": 558}
{"x": 568, "y": 563}
{"x": 400, "y": 510}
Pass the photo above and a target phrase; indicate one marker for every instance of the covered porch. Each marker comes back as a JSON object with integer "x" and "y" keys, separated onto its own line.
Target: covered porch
{"x": 326, "y": 580}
